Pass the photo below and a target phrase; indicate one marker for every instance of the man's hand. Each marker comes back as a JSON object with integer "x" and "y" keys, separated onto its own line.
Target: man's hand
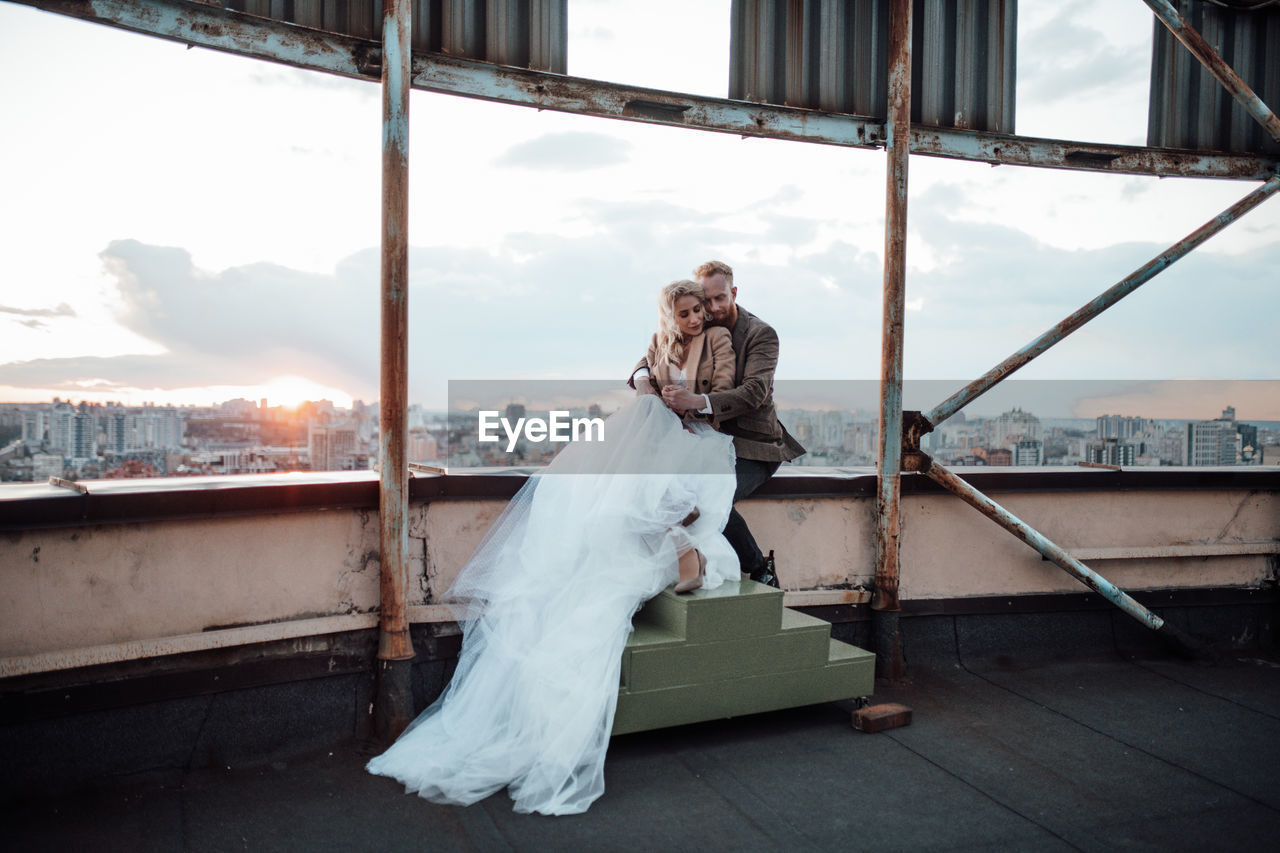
{"x": 680, "y": 400}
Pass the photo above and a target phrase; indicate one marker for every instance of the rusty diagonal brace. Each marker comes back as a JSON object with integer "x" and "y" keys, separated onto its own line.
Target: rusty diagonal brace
{"x": 915, "y": 425}
{"x": 1216, "y": 65}
{"x": 1087, "y": 312}
{"x": 1055, "y": 553}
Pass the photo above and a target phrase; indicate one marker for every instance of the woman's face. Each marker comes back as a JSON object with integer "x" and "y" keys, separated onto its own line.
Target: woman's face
{"x": 689, "y": 319}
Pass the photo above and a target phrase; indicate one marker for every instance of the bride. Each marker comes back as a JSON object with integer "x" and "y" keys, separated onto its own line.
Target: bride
{"x": 546, "y": 601}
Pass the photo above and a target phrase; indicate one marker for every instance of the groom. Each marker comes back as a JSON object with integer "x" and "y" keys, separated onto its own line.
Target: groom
{"x": 746, "y": 411}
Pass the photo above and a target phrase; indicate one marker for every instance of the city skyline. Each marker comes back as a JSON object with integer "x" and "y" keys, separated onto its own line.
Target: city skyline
{"x": 88, "y": 441}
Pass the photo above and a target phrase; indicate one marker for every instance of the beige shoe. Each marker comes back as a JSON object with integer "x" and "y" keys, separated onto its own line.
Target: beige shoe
{"x": 694, "y": 583}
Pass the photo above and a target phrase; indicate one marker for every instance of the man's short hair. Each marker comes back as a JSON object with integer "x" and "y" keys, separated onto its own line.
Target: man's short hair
{"x": 713, "y": 267}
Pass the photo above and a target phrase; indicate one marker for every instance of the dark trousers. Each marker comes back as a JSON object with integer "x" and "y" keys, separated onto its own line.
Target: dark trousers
{"x": 752, "y": 473}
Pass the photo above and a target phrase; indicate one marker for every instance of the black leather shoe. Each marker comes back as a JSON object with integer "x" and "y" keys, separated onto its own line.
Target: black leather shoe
{"x": 767, "y": 574}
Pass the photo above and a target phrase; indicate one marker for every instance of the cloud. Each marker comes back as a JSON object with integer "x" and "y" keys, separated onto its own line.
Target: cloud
{"x": 33, "y": 315}
{"x": 571, "y": 151}
{"x": 63, "y": 310}
{"x": 1066, "y": 58}
{"x": 536, "y": 305}
{"x": 542, "y": 305}
{"x": 244, "y": 325}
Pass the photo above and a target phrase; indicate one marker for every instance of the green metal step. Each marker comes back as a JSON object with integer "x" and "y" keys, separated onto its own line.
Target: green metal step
{"x": 731, "y": 610}
{"x": 801, "y": 639}
{"x": 849, "y": 672}
{"x": 731, "y": 651}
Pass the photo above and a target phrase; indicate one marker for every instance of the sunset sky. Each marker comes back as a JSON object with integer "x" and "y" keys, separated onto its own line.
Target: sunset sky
{"x": 188, "y": 226}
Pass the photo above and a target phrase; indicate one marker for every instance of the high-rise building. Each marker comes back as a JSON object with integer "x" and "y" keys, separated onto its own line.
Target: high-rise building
{"x": 1012, "y": 426}
{"x": 72, "y": 432}
{"x": 60, "y": 428}
{"x": 1029, "y": 451}
{"x": 1211, "y": 443}
{"x": 1121, "y": 426}
{"x": 422, "y": 446}
{"x": 35, "y": 426}
{"x": 1111, "y": 451}
{"x": 332, "y": 447}
{"x": 159, "y": 428}
{"x": 83, "y": 436}
{"x": 115, "y": 427}
{"x": 1171, "y": 446}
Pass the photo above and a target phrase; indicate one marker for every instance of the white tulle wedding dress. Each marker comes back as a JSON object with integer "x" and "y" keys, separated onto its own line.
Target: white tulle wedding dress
{"x": 546, "y": 605}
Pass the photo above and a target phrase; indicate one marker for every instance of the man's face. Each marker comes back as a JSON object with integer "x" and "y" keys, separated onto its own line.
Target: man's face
{"x": 719, "y": 295}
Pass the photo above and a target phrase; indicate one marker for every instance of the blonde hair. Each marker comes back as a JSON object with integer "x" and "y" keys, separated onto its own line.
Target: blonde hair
{"x": 713, "y": 267}
{"x": 670, "y": 346}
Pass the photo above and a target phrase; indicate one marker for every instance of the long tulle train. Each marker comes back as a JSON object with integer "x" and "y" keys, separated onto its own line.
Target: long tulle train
{"x": 546, "y": 605}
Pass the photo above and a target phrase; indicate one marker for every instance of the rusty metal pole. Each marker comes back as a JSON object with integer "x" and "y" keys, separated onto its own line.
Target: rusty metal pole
{"x": 393, "y": 698}
{"x": 1216, "y": 65}
{"x": 884, "y": 602}
{"x": 1102, "y": 302}
{"x": 1179, "y": 641}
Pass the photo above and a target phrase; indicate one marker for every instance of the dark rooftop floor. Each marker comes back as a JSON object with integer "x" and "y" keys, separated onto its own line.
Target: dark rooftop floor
{"x": 1089, "y": 755}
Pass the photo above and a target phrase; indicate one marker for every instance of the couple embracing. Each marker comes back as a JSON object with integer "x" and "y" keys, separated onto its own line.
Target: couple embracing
{"x": 731, "y": 354}
{"x": 546, "y": 601}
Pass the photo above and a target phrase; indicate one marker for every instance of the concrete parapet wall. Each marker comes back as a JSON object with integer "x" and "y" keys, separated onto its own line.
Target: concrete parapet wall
{"x": 75, "y": 595}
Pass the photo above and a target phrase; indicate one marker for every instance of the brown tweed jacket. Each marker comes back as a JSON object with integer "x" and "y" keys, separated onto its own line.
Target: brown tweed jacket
{"x": 746, "y": 410}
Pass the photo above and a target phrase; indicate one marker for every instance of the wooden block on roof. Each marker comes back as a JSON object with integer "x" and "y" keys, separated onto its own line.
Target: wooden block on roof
{"x": 879, "y": 718}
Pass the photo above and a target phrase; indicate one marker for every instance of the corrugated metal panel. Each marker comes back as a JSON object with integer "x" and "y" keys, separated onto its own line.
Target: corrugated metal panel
{"x": 521, "y": 33}
{"x": 832, "y": 55}
{"x": 1191, "y": 109}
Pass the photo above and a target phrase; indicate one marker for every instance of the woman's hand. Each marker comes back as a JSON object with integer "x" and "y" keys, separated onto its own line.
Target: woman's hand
{"x": 681, "y": 400}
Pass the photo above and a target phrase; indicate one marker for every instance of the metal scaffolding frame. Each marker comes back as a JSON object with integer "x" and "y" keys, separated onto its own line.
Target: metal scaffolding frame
{"x": 392, "y": 62}
{"x": 905, "y": 432}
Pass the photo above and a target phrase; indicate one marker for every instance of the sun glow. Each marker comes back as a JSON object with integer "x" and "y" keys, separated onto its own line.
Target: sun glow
{"x": 293, "y": 391}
